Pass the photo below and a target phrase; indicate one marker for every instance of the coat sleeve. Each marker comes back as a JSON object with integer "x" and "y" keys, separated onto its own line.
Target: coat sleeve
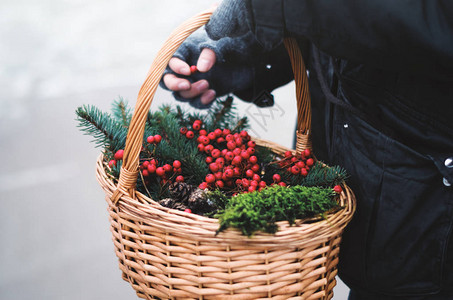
{"x": 406, "y": 35}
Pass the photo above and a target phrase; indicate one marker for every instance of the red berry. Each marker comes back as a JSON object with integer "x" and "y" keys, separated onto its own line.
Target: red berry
{"x": 160, "y": 171}
{"x": 112, "y": 163}
{"x": 245, "y": 182}
{"x": 167, "y": 168}
{"x": 218, "y": 175}
{"x": 262, "y": 183}
{"x": 276, "y": 178}
{"x": 238, "y": 141}
{"x": 245, "y": 154}
{"x": 251, "y": 144}
{"x": 220, "y": 161}
{"x": 203, "y": 132}
{"x": 249, "y": 173}
{"x": 237, "y": 151}
{"x": 203, "y": 185}
{"x": 218, "y": 132}
{"x": 145, "y": 164}
{"x": 200, "y": 147}
{"x": 310, "y": 162}
{"x": 208, "y": 148}
{"x": 215, "y": 153}
{"x": 303, "y": 172}
{"x": 145, "y": 173}
{"x": 237, "y": 160}
{"x": 183, "y": 130}
{"x": 153, "y": 162}
{"x": 198, "y": 121}
{"x": 231, "y": 145}
{"x": 196, "y": 126}
{"x": 229, "y": 173}
{"x": 210, "y": 178}
{"x": 256, "y": 177}
{"x": 204, "y": 140}
{"x": 337, "y": 189}
{"x": 119, "y": 154}
{"x": 178, "y": 170}
{"x": 229, "y": 137}
{"x": 288, "y": 154}
{"x": 193, "y": 69}
{"x": 219, "y": 184}
{"x": 244, "y": 134}
{"x": 190, "y": 134}
{"x": 252, "y": 188}
{"x": 179, "y": 178}
{"x": 236, "y": 172}
{"x": 208, "y": 160}
{"x": 295, "y": 170}
{"x": 229, "y": 156}
{"x": 281, "y": 183}
{"x": 177, "y": 164}
{"x": 151, "y": 168}
{"x": 300, "y": 164}
{"x": 212, "y": 136}
{"x": 253, "y": 159}
{"x": 188, "y": 210}
{"x": 220, "y": 140}
{"x": 157, "y": 139}
{"x": 150, "y": 139}
{"x": 251, "y": 150}
{"x": 307, "y": 152}
{"x": 213, "y": 167}
{"x": 255, "y": 168}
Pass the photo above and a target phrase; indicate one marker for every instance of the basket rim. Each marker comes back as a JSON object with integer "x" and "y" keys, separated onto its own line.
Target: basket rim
{"x": 151, "y": 214}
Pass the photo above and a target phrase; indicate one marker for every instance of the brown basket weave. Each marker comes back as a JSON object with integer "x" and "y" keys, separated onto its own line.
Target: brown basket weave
{"x": 168, "y": 254}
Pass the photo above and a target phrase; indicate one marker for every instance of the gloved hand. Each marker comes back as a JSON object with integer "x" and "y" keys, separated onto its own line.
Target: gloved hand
{"x": 225, "y": 66}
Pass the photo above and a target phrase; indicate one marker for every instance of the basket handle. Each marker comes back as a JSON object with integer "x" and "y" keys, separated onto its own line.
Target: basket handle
{"x": 130, "y": 168}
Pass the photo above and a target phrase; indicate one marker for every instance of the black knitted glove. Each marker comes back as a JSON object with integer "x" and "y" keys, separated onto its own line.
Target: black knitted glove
{"x": 241, "y": 68}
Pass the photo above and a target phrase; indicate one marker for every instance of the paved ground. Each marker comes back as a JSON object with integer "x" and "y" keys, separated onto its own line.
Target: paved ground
{"x": 56, "y": 55}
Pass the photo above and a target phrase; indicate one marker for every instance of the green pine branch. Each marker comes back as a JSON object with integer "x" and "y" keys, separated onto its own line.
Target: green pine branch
{"x": 107, "y": 133}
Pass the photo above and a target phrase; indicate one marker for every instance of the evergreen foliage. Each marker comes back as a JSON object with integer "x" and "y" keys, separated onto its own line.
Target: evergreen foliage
{"x": 106, "y": 131}
{"x": 320, "y": 175}
{"x": 258, "y": 211}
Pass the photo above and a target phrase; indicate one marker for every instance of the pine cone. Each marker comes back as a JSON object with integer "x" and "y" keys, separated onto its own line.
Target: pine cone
{"x": 199, "y": 203}
{"x": 181, "y": 191}
{"x": 172, "y": 203}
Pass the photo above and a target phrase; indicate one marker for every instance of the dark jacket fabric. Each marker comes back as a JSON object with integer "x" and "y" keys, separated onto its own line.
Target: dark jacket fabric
{"x": 391, "y": 65}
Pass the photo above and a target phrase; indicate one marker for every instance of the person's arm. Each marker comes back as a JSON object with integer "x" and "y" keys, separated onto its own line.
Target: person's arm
{"x": 405, "y": 35}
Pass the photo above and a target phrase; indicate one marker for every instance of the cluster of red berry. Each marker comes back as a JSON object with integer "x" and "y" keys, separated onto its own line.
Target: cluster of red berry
{"x": 298, "y": 164}
{"x": 231, "y": 160}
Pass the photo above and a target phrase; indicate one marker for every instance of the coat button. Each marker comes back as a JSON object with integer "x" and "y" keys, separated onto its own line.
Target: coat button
{"x": 449, "y": 162}
{"x": 446, "y": 182}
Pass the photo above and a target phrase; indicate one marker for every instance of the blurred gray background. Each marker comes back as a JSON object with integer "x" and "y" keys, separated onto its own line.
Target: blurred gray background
{"x": 56, "y": 55}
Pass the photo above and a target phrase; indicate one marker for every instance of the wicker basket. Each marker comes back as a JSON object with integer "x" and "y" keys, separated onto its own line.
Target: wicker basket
{"x": 168, "y": 254}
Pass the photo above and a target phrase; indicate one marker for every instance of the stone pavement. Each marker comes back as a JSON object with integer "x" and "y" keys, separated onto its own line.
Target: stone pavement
{"x": 56, "y": 55}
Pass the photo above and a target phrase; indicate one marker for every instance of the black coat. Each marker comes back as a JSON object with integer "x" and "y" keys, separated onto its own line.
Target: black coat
{"x": 386, "y": 116}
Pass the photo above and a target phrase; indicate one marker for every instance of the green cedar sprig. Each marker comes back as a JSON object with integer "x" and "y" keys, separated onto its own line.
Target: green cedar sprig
{"x": 258, "y": 211}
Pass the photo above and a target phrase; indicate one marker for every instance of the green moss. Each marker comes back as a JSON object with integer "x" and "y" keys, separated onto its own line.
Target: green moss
{"x": 258, "y": 211}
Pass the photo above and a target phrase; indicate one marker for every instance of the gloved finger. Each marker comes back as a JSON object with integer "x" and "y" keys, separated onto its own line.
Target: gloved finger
{"x": 174, "y": 83}
{"x": 179, "y": 66}
{"x": 207, "y": 97}
{"x": 206, "y": 60}
{"x": 196, "y": 89}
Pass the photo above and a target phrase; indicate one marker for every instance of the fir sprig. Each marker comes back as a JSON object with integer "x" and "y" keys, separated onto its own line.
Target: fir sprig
{"x": 122, "y": 112}
{"x": 107, "y": 133}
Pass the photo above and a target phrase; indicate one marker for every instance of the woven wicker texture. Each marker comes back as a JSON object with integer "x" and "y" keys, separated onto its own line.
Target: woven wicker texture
{"x": 168, "y": 254}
